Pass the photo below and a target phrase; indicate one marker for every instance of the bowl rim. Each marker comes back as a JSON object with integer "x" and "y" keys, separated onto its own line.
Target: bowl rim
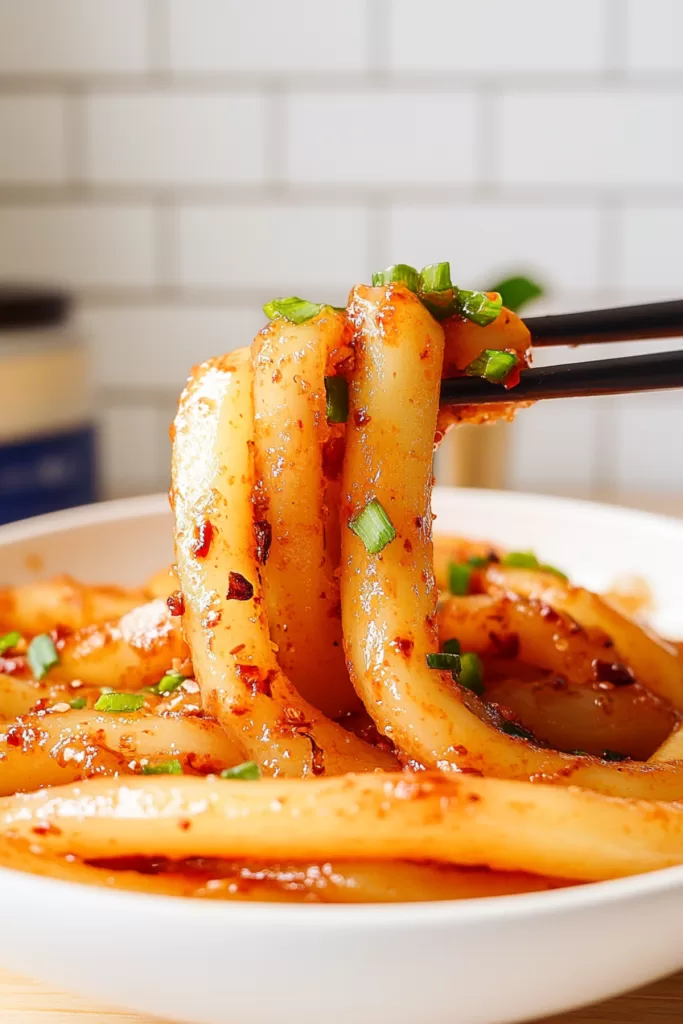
{"x": 463, "y": 911}
{"x": 121, "y": 509}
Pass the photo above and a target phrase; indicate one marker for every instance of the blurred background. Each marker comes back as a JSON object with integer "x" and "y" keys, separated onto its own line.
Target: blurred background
{"x": 175, "y": 163}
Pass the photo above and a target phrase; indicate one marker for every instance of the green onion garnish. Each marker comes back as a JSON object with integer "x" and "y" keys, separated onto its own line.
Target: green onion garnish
{"x": 472, "y": 673}
{"x": 337, "y": 392}
{"x": 399, "y": 273}
{"x": 77, "y": 703}
{"x": 492, "y": 364}
{"x": 614, "y": 755}
{"x": 170, "y": 682}
{"x": 459, "y": 578}
{"x": 42, "y": 655}
{"x": 517, "y": 292}
{"x": 119, "y": 702}
{"x": 293, "y": 308}
{"x": 512, "y": 729}
{"x": 520, "y": 560}
{"x": 248, "y": 772}
{"x": 445, "y": 661}
{"x": 374, "y": 527}
{"x": 435, "y": 277}
{"x": 8, "y": 641}
{"x": 478, "y": 307}
{"x": 528, "y": 560}
{"x": 451, "y": 646}
{"x": 173, "y": 767}
{"x": 436, "y": 290}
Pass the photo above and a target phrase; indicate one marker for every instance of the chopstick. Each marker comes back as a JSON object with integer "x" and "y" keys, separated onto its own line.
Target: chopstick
{"x": 624, "y": 323}
{"x": 660, "y": 371}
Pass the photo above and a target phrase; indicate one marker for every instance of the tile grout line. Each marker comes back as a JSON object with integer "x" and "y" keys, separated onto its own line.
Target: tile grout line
{"x": 75, "y": 129}
{"x": 540, "y": 195}
{"x": 615, "y": 40}
{"x": 377, "y": 54}
{"x": 158, "y": 42}
{"x": 218, "y": 83}
{"x": 378, "y": 214}
{"x": 276, "y": 114}
{"x": 487, "y": 142}
{"x": 166, "y": 270}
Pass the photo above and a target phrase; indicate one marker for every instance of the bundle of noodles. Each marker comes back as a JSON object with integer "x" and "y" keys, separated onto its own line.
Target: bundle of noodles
{"x": 303, "y": 709}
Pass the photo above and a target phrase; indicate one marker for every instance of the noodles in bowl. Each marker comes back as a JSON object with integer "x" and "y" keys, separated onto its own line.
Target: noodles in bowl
{"x": 313, "y": 704}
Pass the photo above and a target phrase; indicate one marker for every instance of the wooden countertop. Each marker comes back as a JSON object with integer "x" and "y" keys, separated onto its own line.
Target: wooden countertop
{"x": 26, "y": 1002}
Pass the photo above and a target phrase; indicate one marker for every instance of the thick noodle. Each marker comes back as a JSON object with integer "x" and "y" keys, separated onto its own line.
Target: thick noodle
{"x": 225, "y": 619}
{"x": 389, "y": 600}
{"x": 59, "y": 747}
{"x": 649, "y": 657}
{"x": 291, "y": 432}
{"x": 508, "y": 826}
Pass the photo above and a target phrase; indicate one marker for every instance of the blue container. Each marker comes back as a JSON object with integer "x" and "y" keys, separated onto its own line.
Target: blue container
{"x": 47, "y": 438}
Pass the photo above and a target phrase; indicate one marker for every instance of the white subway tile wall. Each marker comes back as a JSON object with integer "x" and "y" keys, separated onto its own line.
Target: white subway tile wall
{"x": 294, "y": 36}
{"x": 87, "y": 245}
{"x": 36, "y": 129}
{"x": 174, "y": 138}
{"x": 484, "y": 240}
{"x": 380, "y": 137}
{"x": 490, "y": 37}
{"x": 72, "y": 37}
{"x": 177, "y": 162}
{"x": 261, "y": 247}
{"x": 654, "y": 31}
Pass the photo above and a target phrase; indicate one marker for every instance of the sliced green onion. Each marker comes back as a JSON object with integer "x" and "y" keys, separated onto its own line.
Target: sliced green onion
{"x": 518, "y": 291}
{"x": 337, "y": 392}
{"x": 293, "y": 308}
{"x": 119, "y": 702}
{"x": 42, "y": 655}
{"x": 399, "y": 273}
{"x": 520, "y": 560}
{"x": 170, "y": 682}
{"x": 8, "y": 641}
{"x": 614, "y": 755}
{"x": 528, "y": 560}
{"x": 478, "y": 307}
{"x": 77, "y": 703}
{"x": 173, "y": 767}
{"x": 445, "y": 661}
{"x": 512, "y": 729}
{"x": 436, "y": 290}
{"x": 492, "y": 364}
{"x": 436, "y": 277}
{"x": 374, "y": 527}
{"x": 248, "y": 772}
{"x": 472, "y": 673}
{"x": 451, "y": 646}
{"x": 459, "y": 578}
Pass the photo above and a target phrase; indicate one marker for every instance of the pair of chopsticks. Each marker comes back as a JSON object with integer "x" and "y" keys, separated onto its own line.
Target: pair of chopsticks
{"x": 657, "y": 372}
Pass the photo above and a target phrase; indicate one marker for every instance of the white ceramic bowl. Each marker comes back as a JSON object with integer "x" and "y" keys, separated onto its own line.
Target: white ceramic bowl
{"x": 504, "y": 959}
